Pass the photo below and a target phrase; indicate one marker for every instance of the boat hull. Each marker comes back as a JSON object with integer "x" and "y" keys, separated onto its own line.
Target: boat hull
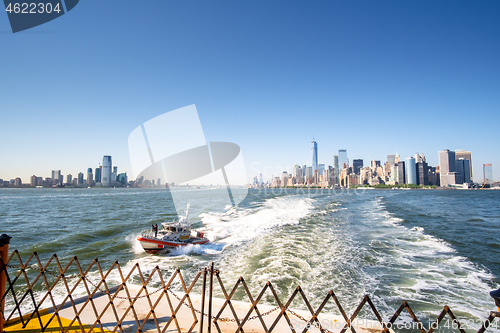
{"x": 155, "y": 245}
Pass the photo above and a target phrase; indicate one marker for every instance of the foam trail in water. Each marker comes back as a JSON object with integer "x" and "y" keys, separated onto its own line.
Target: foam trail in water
{"x": 208, "y": 249}
{"x": 227, "y": 229}
{"x": 429, "y": 270}
{"x": 240, "y": 225}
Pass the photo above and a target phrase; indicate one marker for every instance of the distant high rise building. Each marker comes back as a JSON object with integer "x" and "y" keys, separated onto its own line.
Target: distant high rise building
{"x": 344, "y": 177}
{"x": 357, "y": 164}
{"x": 284, "y": 179}
{"x": 422, "y": 173}
{"x": 321, "y": 168}
{"x": 122, "y": 178}
{"x": 411, "y": 171}
{"x": 69, "y": 178}
{"x": 433, "y": 175}
{"x": 386, "y": 170}
{"x": 462, "y": 166}
{"x": 336, "y": 170}
{"x": 80, "y": 178}
{"x": 316, "y": 177}
{"x": 447, "y": 167}
{"x": 400, "y": 172}
{"x": 56, "y": 175}
{"x": 297, "y": 173}
{"x": 33, "y": 181}
{"x": 488, "y": 173}
{"x": 465, "y": 155}
{"x": 114, "y": 174}
{"x": 343, "y": 158}
{"x": 98, "y": 175}
{"x": 309, "y": 175}
{"x": 314, "y": 155}
{"x": 90, "y": 177}
{"x": 106, "y": 171}
{"x": 330, "y": 176}
{"x": 325, "y": 176}
{"x": 391, "y": 159}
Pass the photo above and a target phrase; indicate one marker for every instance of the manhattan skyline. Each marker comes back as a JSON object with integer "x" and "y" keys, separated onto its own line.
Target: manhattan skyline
{"x": 375, "y": 78}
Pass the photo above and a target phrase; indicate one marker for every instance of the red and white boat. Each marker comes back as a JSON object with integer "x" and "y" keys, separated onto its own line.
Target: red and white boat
{"x": 171, "y": 235}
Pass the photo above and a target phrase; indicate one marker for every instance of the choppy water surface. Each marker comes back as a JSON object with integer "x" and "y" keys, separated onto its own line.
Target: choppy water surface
{"x": 432, "y": 248}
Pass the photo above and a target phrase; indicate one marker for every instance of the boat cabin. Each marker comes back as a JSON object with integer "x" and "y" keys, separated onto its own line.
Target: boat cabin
{"x": 172, "y": 228}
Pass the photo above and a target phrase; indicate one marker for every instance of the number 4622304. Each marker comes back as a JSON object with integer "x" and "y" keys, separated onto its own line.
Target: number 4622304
{"x": 32, "y": 8}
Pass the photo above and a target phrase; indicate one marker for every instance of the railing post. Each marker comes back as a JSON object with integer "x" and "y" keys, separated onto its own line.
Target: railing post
{"x": 210, "y": 291}
{"x": 4, "y": 254}
{"x": 203, "y": 298}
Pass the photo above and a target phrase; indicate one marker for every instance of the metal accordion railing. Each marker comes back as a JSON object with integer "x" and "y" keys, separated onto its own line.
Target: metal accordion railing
{"x": 48, "y": 294}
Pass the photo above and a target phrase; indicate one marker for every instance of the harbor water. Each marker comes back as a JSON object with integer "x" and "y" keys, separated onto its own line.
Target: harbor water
{"x": 428, "y": 247}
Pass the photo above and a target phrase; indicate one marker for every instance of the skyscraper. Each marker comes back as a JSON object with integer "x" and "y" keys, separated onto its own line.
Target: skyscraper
{"x": 284, "y": 179}
{"x": 330, "y": 176}
{"x": 18, "y": 182}
{"x": 33, "y": 182}
{"x": 343, "y": 158}
{"x": 98, "y": 174}
{"x": 321, "y": 168}
{"x": 411, "y": 171}
{"x": 106, "y": 171}
{"x": 463, "y": 169}
{"x": 80, "y": 178}
{"x": 375, "y": 164}
{"x": 56, "y": 175}
{"x": 297, "y": 173}
{"x": 90, "y": 177}
{"x": 447, "y": 167}
{"x": 309, "y": 176}
{"x": 391, "y": 159}
{"x": 488, "y": 173}
{"x": 465, "y": 155}
{"x": 357, "y": 164}
{"x": 314, "y": 155}
{"x": 400, "y": 173}
{"x": 122, "y": 178}
{"x": 336, "y": 172}
{"x": 422, "y": 173}
{"x": 114, "y": 174}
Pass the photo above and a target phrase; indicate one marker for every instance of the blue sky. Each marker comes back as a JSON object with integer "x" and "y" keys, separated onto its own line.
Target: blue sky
{"x": 373, "y": 77}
